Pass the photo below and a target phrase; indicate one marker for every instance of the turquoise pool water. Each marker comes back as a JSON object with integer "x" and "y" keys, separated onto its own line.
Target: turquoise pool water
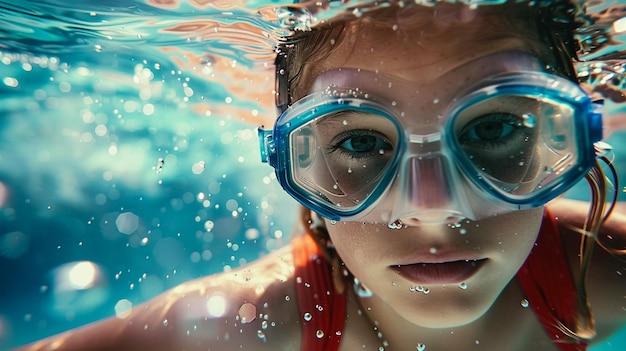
{"x": 128, "y": 151}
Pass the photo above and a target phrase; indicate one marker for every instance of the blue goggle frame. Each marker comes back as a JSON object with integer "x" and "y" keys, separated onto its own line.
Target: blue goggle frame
{"x": 275, "y": 144}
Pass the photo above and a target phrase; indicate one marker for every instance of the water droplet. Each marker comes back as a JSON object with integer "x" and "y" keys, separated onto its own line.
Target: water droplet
{"x": 264, "y": 325}
{"x": 165, "y": 322}
{"x": 433, "y": 250}
{"x": 260, "y": 334}
{"x": 528, "y": 120}
{"x": 463, "y": 231}
{"x": 350, "y": 170}
{"x": 361, "y": 289}
{"x": 287, "y": 298}
{"x": 463, "y": 286}
{"x": 525, "y": 303}
{"x": 319, "y": 334}
{"x": 426, "y": 291}
{"x": 420, "y": 347}
{"x": 307, "y": 316}
{"x": 159, "y": 165}
{"x": 397, "y": 224}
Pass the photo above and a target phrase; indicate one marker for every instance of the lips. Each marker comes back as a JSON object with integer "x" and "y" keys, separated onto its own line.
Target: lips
{"x": 439, "y": 273}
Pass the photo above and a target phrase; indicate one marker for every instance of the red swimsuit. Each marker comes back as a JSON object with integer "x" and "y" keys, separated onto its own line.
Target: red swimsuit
{"x": 545, "y": 279}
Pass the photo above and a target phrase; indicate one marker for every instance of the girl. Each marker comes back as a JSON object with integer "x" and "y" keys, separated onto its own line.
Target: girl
{"x": 424, "y": 143}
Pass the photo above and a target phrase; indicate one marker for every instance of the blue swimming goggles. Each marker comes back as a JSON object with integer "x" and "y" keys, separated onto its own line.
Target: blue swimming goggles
{"x": 516, "y": 141}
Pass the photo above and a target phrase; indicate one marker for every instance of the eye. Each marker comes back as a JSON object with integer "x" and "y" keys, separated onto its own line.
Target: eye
{"x": 360, "y": 142}
{"x": 490, "y": 130}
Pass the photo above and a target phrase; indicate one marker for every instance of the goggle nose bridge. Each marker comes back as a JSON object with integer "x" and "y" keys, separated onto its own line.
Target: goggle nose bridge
{"x": 426, "y": 179}
{"x": 420, "y": 144}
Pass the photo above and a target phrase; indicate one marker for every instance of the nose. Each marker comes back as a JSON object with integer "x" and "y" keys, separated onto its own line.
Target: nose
{"x": 429, "y": 192}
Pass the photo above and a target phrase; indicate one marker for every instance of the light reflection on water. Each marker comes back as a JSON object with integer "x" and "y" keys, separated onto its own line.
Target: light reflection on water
{"x": 128, "y": 152}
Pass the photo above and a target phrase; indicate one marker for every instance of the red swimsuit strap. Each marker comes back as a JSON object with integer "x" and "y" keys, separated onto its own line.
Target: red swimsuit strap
{"x": 322, "y": 308}
{"x": 548, "y": 284}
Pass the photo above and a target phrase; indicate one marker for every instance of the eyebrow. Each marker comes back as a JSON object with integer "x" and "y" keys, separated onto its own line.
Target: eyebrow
{"x": 335, "y": 120}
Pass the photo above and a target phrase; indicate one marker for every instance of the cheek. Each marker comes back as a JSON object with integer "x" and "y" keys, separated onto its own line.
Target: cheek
{"x": 513, "y": 235}
{"x": 356, "y": 243}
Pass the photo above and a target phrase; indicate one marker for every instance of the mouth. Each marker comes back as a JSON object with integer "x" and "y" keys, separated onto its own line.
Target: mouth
{"x": 451, "y": 272}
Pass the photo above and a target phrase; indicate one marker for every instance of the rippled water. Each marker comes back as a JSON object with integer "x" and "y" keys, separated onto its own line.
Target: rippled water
{"x": 128, "y": 149}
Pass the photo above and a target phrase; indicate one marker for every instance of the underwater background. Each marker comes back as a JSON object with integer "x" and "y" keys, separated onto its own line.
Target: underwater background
{"x": 129, "y": 158}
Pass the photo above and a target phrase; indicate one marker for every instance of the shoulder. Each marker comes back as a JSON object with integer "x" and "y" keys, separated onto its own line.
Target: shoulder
{"x": 253, "y": 307}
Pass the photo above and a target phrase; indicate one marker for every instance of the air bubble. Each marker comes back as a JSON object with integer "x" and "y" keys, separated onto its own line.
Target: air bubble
{"x": 395, "y": 225}
{"x": 319, "y": 334}
{"x": 528, "y": 120}
{"x": 463, "y": 286}
{"x": 159, "y": 165}
{"x": 525, "y": 303}
{"x": 420, "y": 347}
{"x": 307, "y": 316}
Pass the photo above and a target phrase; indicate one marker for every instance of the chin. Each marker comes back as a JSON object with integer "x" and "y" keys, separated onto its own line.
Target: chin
{"x": 448, "y": 312}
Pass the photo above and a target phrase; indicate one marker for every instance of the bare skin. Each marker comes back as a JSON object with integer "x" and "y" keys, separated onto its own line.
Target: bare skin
{"x": 206, "y": 314}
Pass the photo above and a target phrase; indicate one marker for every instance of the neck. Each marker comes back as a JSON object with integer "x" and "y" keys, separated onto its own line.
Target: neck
{"x": 505, "y": 323}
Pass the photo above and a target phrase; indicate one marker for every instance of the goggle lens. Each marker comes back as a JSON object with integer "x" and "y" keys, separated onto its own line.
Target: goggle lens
{"x": 518, "y": 144}
{"x": 340, "y": 158}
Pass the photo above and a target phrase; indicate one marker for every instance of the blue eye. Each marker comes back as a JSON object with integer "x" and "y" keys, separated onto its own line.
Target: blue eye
{"x": 364, "y": 143}
{"x": 490, "y": 130}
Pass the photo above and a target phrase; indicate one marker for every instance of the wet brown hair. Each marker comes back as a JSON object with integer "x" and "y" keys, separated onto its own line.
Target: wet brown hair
{"x": 548, "y": 29}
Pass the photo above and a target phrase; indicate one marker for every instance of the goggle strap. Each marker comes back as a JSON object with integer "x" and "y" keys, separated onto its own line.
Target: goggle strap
{"x": 595, "y": 121}
{"x": 283, "y": 96}
{"x": 267, "y": 147}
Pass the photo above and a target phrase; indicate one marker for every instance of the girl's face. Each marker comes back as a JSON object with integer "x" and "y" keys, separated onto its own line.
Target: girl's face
{"x": 434, "y": 275}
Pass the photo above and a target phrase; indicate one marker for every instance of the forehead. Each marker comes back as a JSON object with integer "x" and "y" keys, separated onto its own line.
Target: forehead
{"x": 420, "y": 45}
{"x": 447, "y": 85}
